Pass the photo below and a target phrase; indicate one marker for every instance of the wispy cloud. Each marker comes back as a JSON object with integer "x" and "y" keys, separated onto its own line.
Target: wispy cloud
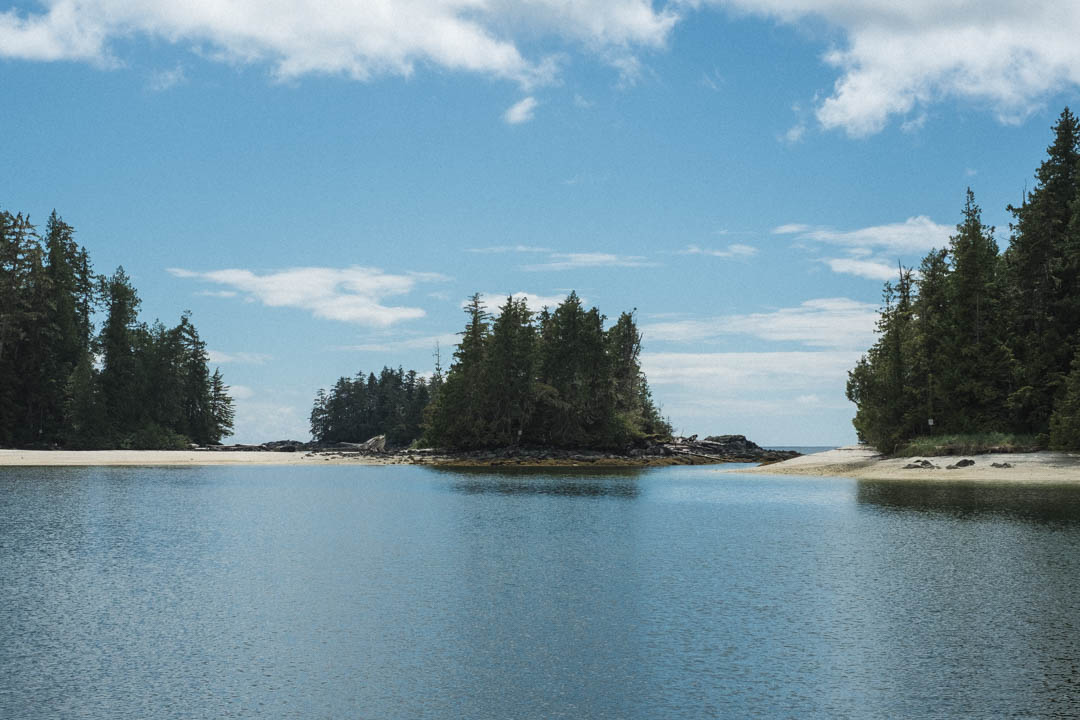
{"x": 892, "y": 60}
{"x": 577, "y": 261}
{"x": 241, "y": 392}
{"x": 791, "y": 228}
{"x": 871, "y": 252}
{"x": 794, "y": 134}
{"x": 218, "y": 357}
{"x": 521, "y": 111}
{"x": 735, "y": 250}
{"x": 747, "y": 371}
{"x": 353, "y": 294}
{"x": 162, "y": 80}
{"x": 500, "y": 249}
{"x": 869, "y": 269}
{"x": 713, "y": 80}
{"x": 837, "y": 323}
{"x": 492, "y": 301}
{"x": 396, "y": 344}
{"x": 914, "y": 235}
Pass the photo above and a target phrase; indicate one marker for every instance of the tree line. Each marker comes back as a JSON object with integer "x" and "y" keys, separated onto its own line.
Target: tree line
{"x": 66, "y": 383}
{"x": 980, "y": 340}
{"x": 555, "y": 378}
{"x": 360, "y": 408}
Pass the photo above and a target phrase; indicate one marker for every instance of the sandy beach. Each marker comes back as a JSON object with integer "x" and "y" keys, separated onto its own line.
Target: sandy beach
{"x": 859, "y": 461}
{"x": 86, "y": 458}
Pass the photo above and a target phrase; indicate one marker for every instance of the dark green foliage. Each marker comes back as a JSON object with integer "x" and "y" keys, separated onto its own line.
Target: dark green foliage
{"x": 1042, "y": 289}
{"x": 556, "y": 379}
{"x": 356, "y": 410}
{"x": 60, "y": 385}
{"x": 991, "y": 342}
{"x": 1065, "y": 422}
{"x": 881, "y": 384}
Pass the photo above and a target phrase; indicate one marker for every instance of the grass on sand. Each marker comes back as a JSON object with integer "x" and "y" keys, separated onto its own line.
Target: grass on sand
{"x": 971, "y": 444}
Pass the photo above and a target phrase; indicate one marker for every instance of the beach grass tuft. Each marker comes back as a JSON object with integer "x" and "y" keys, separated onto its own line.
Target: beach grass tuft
{"x": 971, "y": 444}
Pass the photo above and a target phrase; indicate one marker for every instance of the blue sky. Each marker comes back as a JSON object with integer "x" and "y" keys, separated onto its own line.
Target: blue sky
{"x": 323, "y": 183}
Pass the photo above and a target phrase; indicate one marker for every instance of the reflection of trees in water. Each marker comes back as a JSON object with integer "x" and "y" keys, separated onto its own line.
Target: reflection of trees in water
{"x": 569, "y": 482}
{"x": 1032, "y": 503}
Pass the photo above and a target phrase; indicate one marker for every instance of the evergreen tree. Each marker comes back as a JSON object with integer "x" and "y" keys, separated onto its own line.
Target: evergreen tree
{"x": 1065, "y": 420}
{"x": 511, "y": 372}
{"x": 879, "y": 384}
{"x": 21, "y": 278}
{"x": 153, "y": 387}
{"x": 197, "y": 419}
{"x": 978, "y": 371}
{"x": 1042, "y": 280}
{"x": 120, "y": 386}
{"x": 221, "y": 408}
{"x": 460, "y": 416}
{"x": 84, "y": 416}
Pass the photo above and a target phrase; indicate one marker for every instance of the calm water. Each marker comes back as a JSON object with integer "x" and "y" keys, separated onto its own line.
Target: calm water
{"x": 403, "y": 592}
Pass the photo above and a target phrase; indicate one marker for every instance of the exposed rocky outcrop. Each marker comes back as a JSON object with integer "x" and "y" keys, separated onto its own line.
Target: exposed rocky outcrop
{"x": 679, "y": 451}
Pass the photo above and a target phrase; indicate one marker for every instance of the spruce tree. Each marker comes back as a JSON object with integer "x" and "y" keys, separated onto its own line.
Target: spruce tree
{"x": 120, "y": 379}
{"x": 1042, "y": 281}
{"x": 978, "y": 369}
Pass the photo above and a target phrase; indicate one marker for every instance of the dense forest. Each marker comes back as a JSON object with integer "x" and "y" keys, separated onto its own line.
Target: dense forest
{"x": 555, "y": 378}
{"x": 64, "y": 383}
{"x": 980, "y": 340}
{"x": 390, "y": 404}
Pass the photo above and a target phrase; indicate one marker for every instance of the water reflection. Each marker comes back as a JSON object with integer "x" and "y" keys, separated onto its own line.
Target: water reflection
{"x": 567, "y": 482}
{"x": 1030, "y": 503}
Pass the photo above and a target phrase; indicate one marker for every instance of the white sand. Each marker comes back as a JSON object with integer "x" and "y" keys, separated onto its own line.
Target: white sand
{"x": 172, "y": 457}
{"x": 862, "y": 462}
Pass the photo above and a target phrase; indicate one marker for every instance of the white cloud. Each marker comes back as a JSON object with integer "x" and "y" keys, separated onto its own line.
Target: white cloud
{"x": 899, "y": 57}
{"x": 915, "y": 235}
{"x": 872, "y": 252}
{"x": 356, "y": 39}
{"x": 575, "y": 261}
{"x": 426, "y": 342}
{"x": 772, "y": 397}
{"x": 732, "y": 374}
{"x": 239, "y": 358}
{"x": 493, "y": 301}
{"x": 259, "y": 421}
{"x": 520, "y": 112}
{"x": 869, "y": 269}
{"x": 794, "y": 134}
{"x": 894, "y": 60}
{"x": 791, "y": 229}
{"x": 352, "y": 294}
{"x": 819, "y": 323}
{"x": 162, "y": 80}
{"x": 735, "y": 250}
{"x": 241, "y": 392}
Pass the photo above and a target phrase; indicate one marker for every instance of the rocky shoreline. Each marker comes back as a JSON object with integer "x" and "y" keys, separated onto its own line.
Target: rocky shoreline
{"x": 679, "y": 451}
